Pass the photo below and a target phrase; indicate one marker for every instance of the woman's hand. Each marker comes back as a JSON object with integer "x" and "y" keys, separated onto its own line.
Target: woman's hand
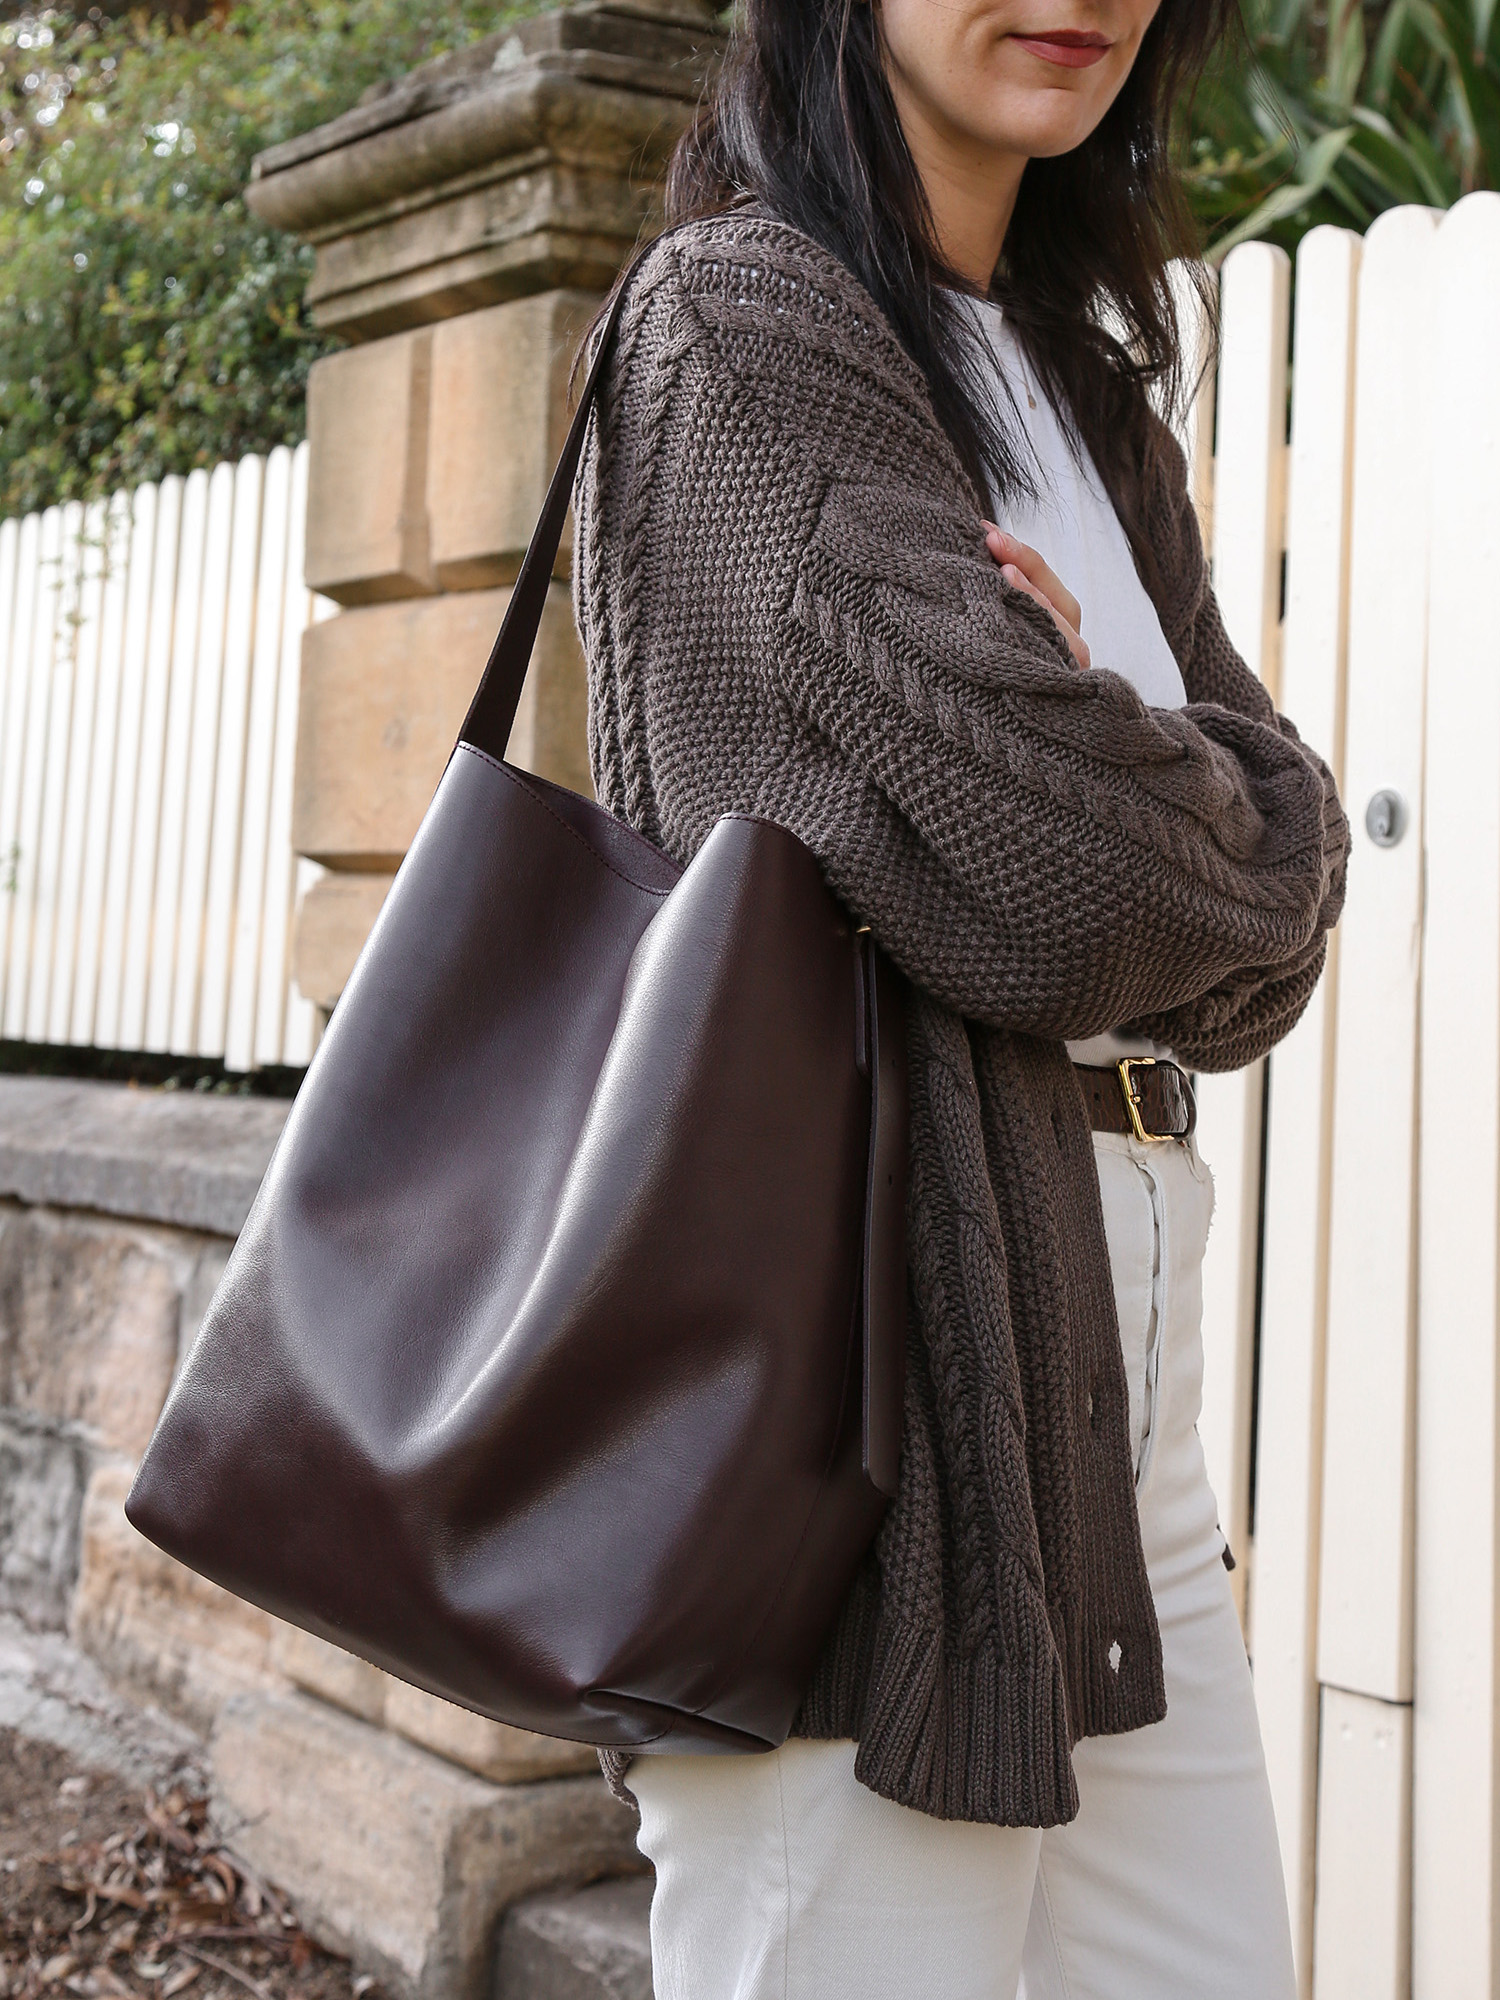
{"x": 1024, "y": 569}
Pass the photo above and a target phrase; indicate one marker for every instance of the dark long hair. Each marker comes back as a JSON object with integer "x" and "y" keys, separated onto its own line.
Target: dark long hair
{"x": 801, "y": 118}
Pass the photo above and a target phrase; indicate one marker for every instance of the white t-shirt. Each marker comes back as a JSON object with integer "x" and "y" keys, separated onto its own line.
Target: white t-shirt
{"x": 1074, "y": 527}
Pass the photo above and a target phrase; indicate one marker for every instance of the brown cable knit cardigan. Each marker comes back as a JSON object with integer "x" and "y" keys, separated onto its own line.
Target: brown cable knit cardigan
{"x": 788, "y": 609}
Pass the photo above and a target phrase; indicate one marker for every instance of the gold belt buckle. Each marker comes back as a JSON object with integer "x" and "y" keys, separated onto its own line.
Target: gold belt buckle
{"x": 1127, "y": 1067}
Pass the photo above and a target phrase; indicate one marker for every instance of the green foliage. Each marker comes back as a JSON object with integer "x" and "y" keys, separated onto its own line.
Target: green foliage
{"x": 148, "y": 323}
{"x": 1340, "y": 109}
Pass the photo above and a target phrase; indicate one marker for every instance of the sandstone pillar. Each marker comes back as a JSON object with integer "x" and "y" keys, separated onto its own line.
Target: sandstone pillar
{"x": 466, "y": 221}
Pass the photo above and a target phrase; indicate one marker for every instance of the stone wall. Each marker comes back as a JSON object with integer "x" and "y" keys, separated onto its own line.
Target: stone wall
{"x": 403, "y": 1826}
{"x": 117, "y": 1208}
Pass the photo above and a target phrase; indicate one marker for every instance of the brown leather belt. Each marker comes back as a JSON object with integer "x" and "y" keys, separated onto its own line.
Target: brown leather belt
{"x": 1141, "y": 1098}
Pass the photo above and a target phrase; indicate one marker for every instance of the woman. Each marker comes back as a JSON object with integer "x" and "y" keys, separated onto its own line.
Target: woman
{"x": 870, "y": 424}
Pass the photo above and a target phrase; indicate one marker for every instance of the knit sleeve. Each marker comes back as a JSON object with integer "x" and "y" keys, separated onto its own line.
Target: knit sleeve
{"x": 1033, "y": 846}
{"x": 1091, "y": 860}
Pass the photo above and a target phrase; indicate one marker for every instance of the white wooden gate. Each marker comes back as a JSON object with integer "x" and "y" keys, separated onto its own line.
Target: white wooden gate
{"x": 1351, "y": 1305}
{"x": 149, "y": 658}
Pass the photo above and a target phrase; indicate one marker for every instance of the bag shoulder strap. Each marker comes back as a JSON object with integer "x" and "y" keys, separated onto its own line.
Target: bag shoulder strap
{"x": 487, "y": 725}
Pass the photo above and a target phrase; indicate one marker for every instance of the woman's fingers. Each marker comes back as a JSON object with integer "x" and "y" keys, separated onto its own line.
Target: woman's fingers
{"x": 1006, "y": 549}
{"x": 1077, "y": 645}
{"x": 1023, "y": 569}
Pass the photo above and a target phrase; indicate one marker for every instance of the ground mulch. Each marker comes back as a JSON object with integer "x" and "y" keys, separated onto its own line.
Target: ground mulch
{"x": 109, "y": 1891}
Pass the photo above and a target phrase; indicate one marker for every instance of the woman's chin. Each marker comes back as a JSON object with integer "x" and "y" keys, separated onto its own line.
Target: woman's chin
{"x": 1040, "y": 130}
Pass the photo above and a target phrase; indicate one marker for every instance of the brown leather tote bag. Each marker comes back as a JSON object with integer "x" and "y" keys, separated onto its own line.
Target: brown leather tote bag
{"x": 558, "y": 1367}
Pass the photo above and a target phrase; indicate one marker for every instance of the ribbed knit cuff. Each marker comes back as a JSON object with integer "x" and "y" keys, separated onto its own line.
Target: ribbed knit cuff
{"x": 983, "y": 1738}
{"x": 1114, "y": 1674}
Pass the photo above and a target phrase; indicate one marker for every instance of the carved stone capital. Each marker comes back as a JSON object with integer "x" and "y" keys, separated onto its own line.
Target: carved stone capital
{"x": 529, "y": 161}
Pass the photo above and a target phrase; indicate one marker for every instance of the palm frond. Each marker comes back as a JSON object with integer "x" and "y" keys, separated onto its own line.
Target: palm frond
{"x": 1345, "y": 108}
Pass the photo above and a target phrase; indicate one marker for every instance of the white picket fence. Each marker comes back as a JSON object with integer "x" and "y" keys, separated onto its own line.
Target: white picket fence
{"x": 149, "y": 661}
{"x": 1359, "y": 569}
{"x": 148, "y": 695}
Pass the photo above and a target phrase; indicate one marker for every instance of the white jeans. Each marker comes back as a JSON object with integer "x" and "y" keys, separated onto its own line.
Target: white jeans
{"x": 781, "y": 1878}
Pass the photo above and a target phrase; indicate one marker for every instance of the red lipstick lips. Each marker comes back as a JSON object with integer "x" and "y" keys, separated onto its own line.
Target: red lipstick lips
{"x": 1067, "y": 48}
